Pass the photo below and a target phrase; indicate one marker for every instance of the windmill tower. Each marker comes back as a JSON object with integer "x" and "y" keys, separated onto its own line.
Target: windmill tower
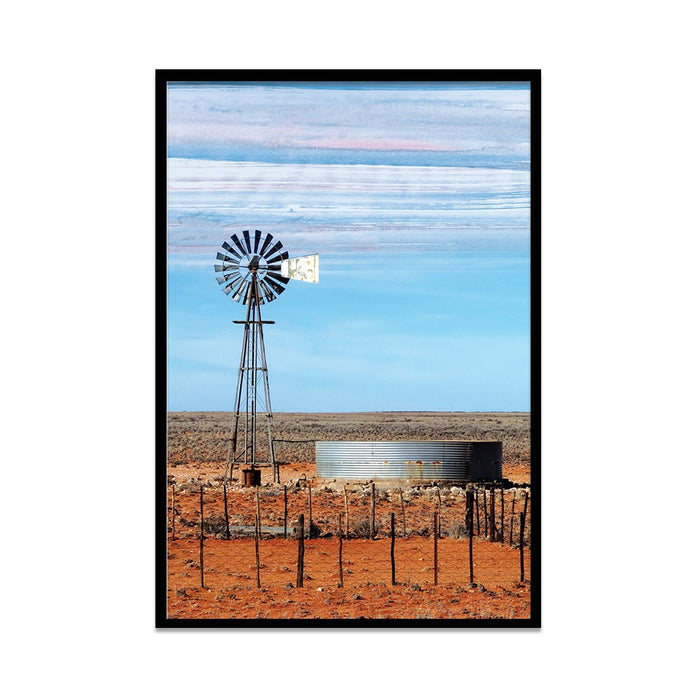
{"x": 256, "y": 270}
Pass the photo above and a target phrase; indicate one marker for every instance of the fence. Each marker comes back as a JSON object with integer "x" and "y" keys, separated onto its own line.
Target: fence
{"x": 361, "y": 534}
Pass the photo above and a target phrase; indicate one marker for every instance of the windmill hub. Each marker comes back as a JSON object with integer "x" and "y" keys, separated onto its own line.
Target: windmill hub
{"x": 255, "y": 270}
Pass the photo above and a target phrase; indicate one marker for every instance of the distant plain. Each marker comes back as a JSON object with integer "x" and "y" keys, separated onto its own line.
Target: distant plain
{"x": 201, "y": 437}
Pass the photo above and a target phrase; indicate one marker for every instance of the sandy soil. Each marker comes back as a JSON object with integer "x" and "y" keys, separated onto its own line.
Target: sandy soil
{"x": 231, "y": 592}
{"x": 230, "y": 573}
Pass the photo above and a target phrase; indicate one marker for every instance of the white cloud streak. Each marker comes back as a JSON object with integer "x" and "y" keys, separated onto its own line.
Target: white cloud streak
{"x": 417, "y": 117}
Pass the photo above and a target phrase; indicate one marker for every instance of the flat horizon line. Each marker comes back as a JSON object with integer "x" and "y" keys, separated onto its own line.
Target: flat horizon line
{"x": 368, "y": 411}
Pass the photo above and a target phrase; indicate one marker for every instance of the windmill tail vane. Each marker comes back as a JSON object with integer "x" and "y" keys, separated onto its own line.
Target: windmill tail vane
{"x": 254, "y": 269}
{"x": 304, "y": 268}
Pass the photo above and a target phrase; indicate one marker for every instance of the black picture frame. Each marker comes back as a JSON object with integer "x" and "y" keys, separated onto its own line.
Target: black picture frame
{"x": 162, "y": 78}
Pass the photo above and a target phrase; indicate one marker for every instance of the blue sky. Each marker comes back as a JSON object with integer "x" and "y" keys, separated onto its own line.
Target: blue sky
{"x": 416, "y": 197}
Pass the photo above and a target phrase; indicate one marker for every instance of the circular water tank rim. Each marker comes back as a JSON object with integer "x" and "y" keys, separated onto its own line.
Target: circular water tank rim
{"x": 404, "y": 442}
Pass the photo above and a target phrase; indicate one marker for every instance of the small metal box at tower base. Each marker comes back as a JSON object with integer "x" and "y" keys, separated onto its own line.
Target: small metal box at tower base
{"x": 415, "y": 460}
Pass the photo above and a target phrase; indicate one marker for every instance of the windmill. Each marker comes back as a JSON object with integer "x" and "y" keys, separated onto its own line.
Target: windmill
{"x": 255, "y": 270}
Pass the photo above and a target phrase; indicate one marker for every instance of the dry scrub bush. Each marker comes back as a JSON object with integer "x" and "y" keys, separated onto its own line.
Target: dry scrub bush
{"x": 203, "y": 437}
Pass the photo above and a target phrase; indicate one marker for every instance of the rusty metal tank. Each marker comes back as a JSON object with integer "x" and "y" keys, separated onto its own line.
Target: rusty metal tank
{"x": 413, "y": 460}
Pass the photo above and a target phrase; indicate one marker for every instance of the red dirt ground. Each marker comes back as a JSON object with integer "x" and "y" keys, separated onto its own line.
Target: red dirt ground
{"x": 211, "y": 471}
{"x": 230, "y": 580}
{"x": 230, "y": 570}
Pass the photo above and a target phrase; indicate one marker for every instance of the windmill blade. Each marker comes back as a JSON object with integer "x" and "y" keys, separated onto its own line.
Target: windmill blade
{"x": 229, "y": 279}
{"x": 231, "y": 250}
{"x": 272, "y": 251}
{"x": 238, "y": 244}
{"x": 267, "y": 291}
{"x": 268, "y": 239}
{"x": 256, "y": 263}
{"x": 279, "y": 288}
{"x": 246, "y": 237}
{"x": 278, "y": 277}
{"x": 224, "y": 268}
{"x": 304, "y": 268}
{"x": 229, "y": 288}
{"x": 240, "y": 290}
{"x": 281, "y": 256}
{"x": 221, "y": 256}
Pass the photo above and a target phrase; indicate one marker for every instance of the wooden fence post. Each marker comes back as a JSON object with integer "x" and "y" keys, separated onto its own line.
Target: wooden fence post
{"x": 371, "y": 513}
{"x": 512, "y": 520}
{"x": 201, "y": 535}
{"x": 340, "y": 550}
{"x": 300, "y": 551}
{"x": 228, "y": 527}
{"x": 468, "y": 510}
{"x": 257, "y": 547}
{"x": 527, "y": 494}
{"x": 435, "y": 548}
{"x": 285, "y": 512}
{"x": 393, "y": 560}
{"x": 486, "y": 522}
{"x": 257, "y": 511}
{"x": 492, "y": 516}
{"x": 347, "y": 511}
{"x": 522, "y": 553}
{"x": 470, "y": 530}
{"x": 439, "y": 512}
{"x": 309, "y": 508}
{"x": 172, "y": 506}
{"x": 476, "y": 501}
{"x": 501, "y": 536}
{"x": 310, "y": 513}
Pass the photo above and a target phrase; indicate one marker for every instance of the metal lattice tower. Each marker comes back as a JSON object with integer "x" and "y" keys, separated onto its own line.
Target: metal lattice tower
{"x": 256, "y": 271}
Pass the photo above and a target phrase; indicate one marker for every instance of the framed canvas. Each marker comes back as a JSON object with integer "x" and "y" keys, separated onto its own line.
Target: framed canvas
{"x": 348, "y": 382}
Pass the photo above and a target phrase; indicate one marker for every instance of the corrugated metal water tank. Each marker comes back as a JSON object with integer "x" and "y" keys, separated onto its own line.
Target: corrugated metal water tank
{"x": 416, "y": 460}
